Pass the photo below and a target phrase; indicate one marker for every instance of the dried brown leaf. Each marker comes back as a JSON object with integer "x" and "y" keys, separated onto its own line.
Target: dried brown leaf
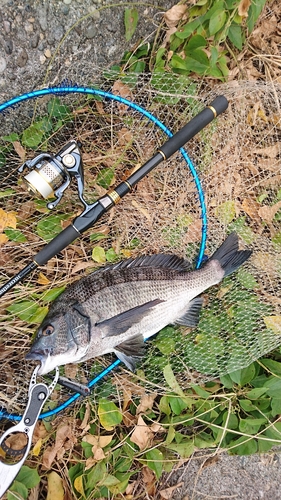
{"x": 142, "y": 435}
{"x": 146, "y": 403}
{"x": 125, "y": 136}
{"x": 174, "y": 15}
{"x": 19, "y": 149}
{"x": 267, "y": 213}
{"x": 148, "y": 477}
{"x": 124, "y": 91}
{"x": 270, "y": 151}
{"x": 65, "y": 439}
{"x": 251, "y": 207}
{"x": 243, "y": 8}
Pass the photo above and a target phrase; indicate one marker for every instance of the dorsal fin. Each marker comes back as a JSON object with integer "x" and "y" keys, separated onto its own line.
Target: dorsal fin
{"x": 167, "y": 261}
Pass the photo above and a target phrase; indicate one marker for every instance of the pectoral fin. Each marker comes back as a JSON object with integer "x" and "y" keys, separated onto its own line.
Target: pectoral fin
{"x": 122, "y": 322}
{"x": 131, "y": 351}
{"x": 191, "y": 317}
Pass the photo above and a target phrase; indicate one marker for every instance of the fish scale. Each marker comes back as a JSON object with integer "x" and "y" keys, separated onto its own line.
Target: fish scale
{"x": 117, "y": 307}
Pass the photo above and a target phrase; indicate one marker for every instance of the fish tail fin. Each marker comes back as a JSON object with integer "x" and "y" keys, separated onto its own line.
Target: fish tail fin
{"x": 228, "y": 255}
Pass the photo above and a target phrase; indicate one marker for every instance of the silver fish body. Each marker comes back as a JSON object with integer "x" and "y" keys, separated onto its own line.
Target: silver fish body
{"x": 116, "y": 308}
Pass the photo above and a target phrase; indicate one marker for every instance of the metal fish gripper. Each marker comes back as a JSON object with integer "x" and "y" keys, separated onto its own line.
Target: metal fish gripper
{"x": 38, "y": 393}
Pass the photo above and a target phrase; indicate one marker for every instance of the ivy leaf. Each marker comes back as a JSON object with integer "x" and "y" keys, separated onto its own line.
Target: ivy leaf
{"x": 217, "y": 21}
{"x": 98, "y": 255}
{"x": 29, "y": 477}
{"x": 109, "y": 414}
{"x": 155, "y": 459}
{"x": 131, "y": 21}
{"x": 235, "y": 35}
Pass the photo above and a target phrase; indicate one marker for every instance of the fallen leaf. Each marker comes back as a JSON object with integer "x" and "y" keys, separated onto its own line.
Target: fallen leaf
{"x": 270, "y": 151}
{"x": 125, "y": 136}
{"x": 142, "y": 435}
{"x": 55, "y": 487}
{"x": 124, "y": 91}
{"x": 78, "y": 485}
{"x": 37, "y": 448}
{"x": 101, "y": 441}
{"x": 98, "y": 453}
{"x": 274, "y": 323}
{"x": 267, "y": 213}
{"x": 19, "y": 150}
{"x": 85, "y": 420}
{"x": 146, "y": 403}
{"x": 251, "y": 208}
{"x": 42, "y": 279}
{"x": 3, "y": 239}
{"x": 167, "y": 494}
{"x": 148, "y": 477}
{"x": 174, "y": 15}
{"x": 243, "y": 8}
{"x": 65, "y": 439}
{"x": 7, "y": 219}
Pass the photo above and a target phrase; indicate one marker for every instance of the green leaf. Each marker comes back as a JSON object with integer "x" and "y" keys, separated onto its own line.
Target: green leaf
{"x": 98, "y": 236}
{"x": 195, "y": 42}
{"x": 243, "y": 376}
{"x": 272, "y": 365}
{"x": 184, "y": 449}
{"x": 51, "y": 226}
{"x": 11, "y": 137}
{"x": 131, "y": 21}
{"x": 95, "y": 475}
{"x": 178, "y": 404}
{"x": 246, "y": 279}
{"x": 217, "y": 21}
{"x": 109, "y": 414}
{"x": 256, "y": 393}
{"x": 105, "y": 177}
{"x": 111, "y": 255}
{"x": 247, "y": 405}
{"x": 155, "y": 460}
{"x": 235, "y": 35}
{"x": 15, "y": 235}
{"x": 243, "y": 446}
{"x": 251, "y": 425}
{"x": 276, "y": 406}
{"x": 254, "y": 12}
{"x": 98, "y": 255}
{"x": 18, "y": 491}
{"x": 33, "y": 135}
{"x": 58, "y": 110}
{"x": 188, "y": 29}
{"x": 225, "y": 212}
{"x": 52, "y": 294}
{"x": 171, "y": 380}
{"x": 28, "y": 476}
{"x": 24, "y": 309}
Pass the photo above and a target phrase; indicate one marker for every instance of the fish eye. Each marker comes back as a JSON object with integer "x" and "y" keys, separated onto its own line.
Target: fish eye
{"x": 48, "y": 330}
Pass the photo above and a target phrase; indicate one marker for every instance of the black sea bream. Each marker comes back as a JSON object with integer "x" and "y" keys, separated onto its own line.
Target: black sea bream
{"x": 115, "y": 308}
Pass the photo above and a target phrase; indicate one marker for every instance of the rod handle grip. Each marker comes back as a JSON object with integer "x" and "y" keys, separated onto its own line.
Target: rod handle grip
{"x": 217, "y": 106}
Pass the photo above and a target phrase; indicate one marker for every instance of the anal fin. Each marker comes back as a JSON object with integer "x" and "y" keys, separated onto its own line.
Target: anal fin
{"x": 192, "y": 315}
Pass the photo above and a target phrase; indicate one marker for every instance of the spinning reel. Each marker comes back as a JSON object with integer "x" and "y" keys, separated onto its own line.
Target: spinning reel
{"x": 50, "y": 176}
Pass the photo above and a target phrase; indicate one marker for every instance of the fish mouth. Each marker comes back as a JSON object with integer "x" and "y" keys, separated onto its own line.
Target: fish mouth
{"x": 45, "y": 361}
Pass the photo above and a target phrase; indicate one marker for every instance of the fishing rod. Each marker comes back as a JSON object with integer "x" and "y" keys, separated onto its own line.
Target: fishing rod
{"x": 50, "y": 175}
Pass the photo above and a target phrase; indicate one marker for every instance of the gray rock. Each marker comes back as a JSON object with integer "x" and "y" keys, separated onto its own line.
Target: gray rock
{"x": 8, "y": 46}
{"x": 3, "y": 65}
{"x": 7, "y": 26}
{"x": 42, "y": 17}
{"x": 22, "y": 58}
{"x": 91, "y": 31}
{"x": 34, "y": 41}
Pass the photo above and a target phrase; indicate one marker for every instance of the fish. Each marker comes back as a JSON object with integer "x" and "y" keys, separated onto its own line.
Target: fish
{"x": 118, "y": 307}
